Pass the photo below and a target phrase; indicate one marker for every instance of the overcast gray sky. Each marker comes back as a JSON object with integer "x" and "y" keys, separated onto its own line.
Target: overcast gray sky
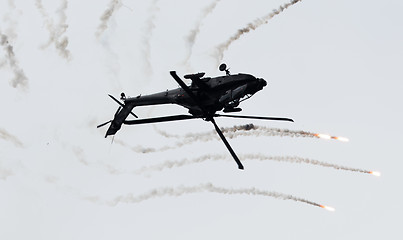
{"x": 332, "y": 66}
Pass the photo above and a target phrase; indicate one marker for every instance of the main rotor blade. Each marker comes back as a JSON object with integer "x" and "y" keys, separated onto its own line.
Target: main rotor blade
{"x": 122, "y": 105}
{"x": 160, "y": 119}
{"x": 255, "y": 117}
{"x": 240, "y": 166}
{"x": 103, "y": 124}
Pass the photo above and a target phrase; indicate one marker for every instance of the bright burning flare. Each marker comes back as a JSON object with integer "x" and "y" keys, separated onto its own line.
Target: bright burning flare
{"x": 378, "y": 174}
{"x": 327, "y": 208}
{"x": 343, "y": 139}
{"x": 324, "y": 136}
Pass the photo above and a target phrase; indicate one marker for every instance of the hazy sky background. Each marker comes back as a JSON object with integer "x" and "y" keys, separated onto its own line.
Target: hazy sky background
{"x": 332, "y": 66}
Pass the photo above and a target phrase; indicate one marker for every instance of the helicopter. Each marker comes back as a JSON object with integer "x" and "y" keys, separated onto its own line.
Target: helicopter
{"x": 203, "y": 98}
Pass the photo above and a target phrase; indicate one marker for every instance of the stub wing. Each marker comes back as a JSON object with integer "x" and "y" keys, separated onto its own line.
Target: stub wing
{"x": 160, "y": 119}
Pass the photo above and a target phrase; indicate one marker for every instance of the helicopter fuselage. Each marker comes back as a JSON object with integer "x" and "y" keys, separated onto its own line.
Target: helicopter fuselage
{"x": 213, "y": 94}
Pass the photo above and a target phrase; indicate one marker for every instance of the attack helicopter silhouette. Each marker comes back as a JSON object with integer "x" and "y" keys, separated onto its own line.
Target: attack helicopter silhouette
{"x": 204, "y": 98}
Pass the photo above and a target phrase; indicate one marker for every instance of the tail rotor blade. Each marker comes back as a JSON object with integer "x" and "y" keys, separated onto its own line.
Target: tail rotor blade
{"x": 122, "y": 105}
{"x": 103, "y": 124}
{"x": 240, "y": 166}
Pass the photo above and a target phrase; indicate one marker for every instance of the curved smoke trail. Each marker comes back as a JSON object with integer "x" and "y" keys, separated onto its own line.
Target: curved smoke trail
{"x": 11, "y": 138}
{"x": 208, "y": 134}
{"x": 230, "y": 132}
{"x": 56, "y": 31}
{"x": 149, "y": 28}
{"x": 241, "y": 130}
{"x": 260, "y": 157}
{"x": 180, "y": 163}
{"x": 206, "y": 187}
{"x": 19, "y": 76}
{"x": 191, "y": 38}
{"x": 251, "y": 26}
{"x": 11, "y": 18}
{"x": 296, "y": 159}
{"x": 5, "y": 173}
{"x": 247, "y": 130}
{"x": 141, "y": 149}
{"x": 9, "y": 35}
{"x": 114, "y": 5}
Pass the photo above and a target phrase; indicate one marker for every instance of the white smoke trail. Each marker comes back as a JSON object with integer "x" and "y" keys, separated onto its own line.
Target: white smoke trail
{"x": 19, "y": 80}
{"x": 11, "y": 3}
{"x": 60, "y": 42}
{"x": 207, "y": 187}
{"x": 186, "y": 139}
{"x": 243, "y": 130}
{"x": 296, "y": 159}
{"x": 112, "y": 57}
{"x": 148, "y": 31}
{"x": 8, "y": 36}
{"x": 191, "y": 38}
{"x": 11, "y": 18}
{"x": 42, "y": 11}
{"x": 114, "y": 5}
{"x": 9, "y": 137}
{"x": 56, "y": 31}
{"x": 209, "y": 134}
{"x": 260, "y": 157}
{"x": 141, "y": 149}
{"x": 5, "y": 173}
{"x": 180, "y": 163}
{"x": 265, "y": 131}
{"x": 230, "y": 132}
{"x": 62, "y": 14}
{"x": 51, "y": 179}
{"x": 3, "y": 63}
{"x": 251, "y": 26}
{"x": 79, "y": 153}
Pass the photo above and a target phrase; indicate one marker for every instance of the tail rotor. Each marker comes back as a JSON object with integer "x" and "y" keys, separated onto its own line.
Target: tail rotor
{"x": 103, "y": 124}
{"x": 119, "y": 117}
